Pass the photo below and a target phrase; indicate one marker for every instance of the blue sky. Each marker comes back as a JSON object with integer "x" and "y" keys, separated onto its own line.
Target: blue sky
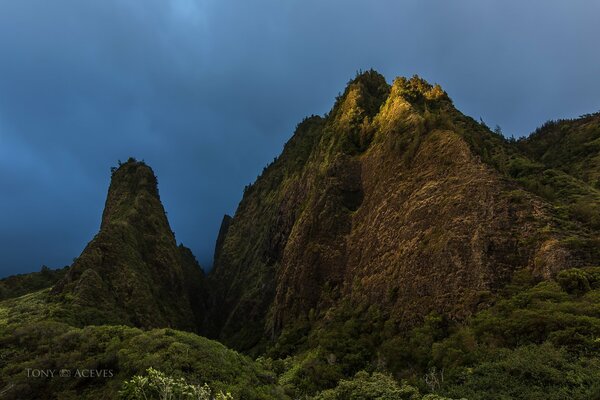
{"x": 207, "y": 93}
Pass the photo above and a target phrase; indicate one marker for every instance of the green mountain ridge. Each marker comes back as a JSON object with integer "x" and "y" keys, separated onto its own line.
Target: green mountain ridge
{"x": 396, "y": 199}
{"x": 394, "y": 241}
{"x": 18, "y": 285}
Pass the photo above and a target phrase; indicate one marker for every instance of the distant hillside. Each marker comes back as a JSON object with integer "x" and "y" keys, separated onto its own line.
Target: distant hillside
{"x": 567, "y": 153}
{"x": 18, "y": 285}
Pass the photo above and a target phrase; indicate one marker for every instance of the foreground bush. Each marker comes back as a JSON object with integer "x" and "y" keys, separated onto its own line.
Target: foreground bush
{"x": 377, "y": 386}
{"x": 156, "y": 385}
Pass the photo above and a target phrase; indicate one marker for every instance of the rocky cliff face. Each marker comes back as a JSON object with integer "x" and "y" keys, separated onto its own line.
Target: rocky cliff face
{"x": 133, "y": 272}
{"x": 393, "y": 199}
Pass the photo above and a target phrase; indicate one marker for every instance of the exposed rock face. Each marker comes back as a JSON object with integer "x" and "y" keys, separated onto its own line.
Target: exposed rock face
{"x": 133, "y": 272}
{"x": 395, "y": 199}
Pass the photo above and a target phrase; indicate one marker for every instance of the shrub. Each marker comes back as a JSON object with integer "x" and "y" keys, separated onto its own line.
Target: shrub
{"x": 156, "y": 385}
{"x": 363, "y": 386}
{"x": 574, "y": 281}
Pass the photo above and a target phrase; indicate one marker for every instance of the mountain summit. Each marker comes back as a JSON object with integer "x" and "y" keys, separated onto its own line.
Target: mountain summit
{"x": 393, "y": 202}
{"x": 133, "y": 272}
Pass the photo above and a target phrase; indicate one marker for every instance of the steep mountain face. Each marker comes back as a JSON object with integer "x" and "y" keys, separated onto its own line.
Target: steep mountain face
{"x": 133, "y": 272}
{"x": 395, "y": 200}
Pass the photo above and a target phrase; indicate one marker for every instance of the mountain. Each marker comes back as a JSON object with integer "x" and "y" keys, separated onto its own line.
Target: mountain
{"x": 396, "y": 203}
{"x": 393, "y": 240}
{"x": 133, "y": 272}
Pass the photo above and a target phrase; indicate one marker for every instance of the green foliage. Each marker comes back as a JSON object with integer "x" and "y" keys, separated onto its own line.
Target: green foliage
{"x": 351, "y": 335}
{"x": 350, "y": 120}
{"x": 157, "y": 385}
{"x": 569, "y": 153}
{"x": 417, "y": 90}
{"x": 579, "y": 281}
{"x": 586, "y": 210}
{"x": 312, "y": 372}
{"x": 519, "y": 167}
{"x": 405, "y": 354}
{"x": 540, "y": 342}
{"x": 559, "y": 162}
{"x": 543, "y": 337}
{"x": 376, "y": 386}
{"x": 541, "y": 372}
{"x": 572, "y": 146}
{"x": 336, "y": 347}
{"x": 18, "y": 285}
{"x": 29, "y": 339}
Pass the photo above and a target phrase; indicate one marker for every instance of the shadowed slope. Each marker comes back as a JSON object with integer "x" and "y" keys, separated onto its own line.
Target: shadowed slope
{"x": 133, "y": 272}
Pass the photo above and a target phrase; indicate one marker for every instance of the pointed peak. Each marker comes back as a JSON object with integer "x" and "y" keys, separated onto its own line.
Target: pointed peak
{"x": 371, "y": 80}
{"x": 133, "y": 264}
{"x": 131, "y": 167}
{"x": 134, "y": 175}
{"x": 362, "y": 98}
{"x": 417, "y": 90}
{"x": 131, "y": 182}
{"x": 367, "y": 91}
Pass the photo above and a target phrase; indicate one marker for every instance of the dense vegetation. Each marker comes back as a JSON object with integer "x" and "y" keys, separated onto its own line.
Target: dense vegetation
{"x": 31, "y": 339}
{"x": 540, "y": 340}
{"x": 157, "y": 385}
{"x": 18, "y": 285}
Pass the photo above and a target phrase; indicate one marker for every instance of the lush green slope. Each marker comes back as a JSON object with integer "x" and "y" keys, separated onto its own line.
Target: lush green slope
{"x": 18, "y": 285}
{"x": 539, "y": 340}
{"x": 572, "y": 146}
{"x": 567, "y": 153}
{"x": 31, "y": 338}
{"x": 540, "y": 343}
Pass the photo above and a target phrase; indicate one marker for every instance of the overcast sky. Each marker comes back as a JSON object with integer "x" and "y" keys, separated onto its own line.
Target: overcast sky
{"x": 207, "y": 93}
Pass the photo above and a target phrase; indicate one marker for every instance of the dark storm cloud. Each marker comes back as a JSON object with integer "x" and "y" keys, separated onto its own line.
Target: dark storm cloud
{"x": 207, "y": 92}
